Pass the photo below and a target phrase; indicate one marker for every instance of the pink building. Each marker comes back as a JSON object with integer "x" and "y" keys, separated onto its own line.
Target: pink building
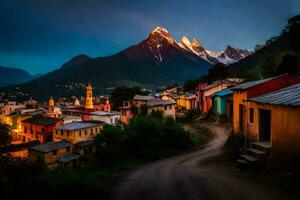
{"x": 205, "y": 91}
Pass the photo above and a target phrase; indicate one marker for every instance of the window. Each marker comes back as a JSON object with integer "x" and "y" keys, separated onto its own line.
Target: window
{"x": 68, "y": 149}
{"x": 61, "y": 132}
{"x": 85, "y": 132}
{"x": 68, "y": 133}
{"x": 43, "y": 130}
{"x": 251, "y": 115}
{"x": 111, "y": 121}
{"x": 79, "y": 133}
{"x": 166, "y": 107}
{"x": 54, "y": 153}
{"x": 25, "y": 129}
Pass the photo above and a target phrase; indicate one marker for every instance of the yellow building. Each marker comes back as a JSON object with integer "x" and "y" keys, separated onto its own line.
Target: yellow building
{"x": 274, "y": 119}
{"x": 77, "y": 131}
{"x": 186, "y": 102}
{"x": 54, "y": 154}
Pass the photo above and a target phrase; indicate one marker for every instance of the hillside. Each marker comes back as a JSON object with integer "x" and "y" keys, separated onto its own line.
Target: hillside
{"x": 279, "y": 55}
{"x": 10, "y": 76}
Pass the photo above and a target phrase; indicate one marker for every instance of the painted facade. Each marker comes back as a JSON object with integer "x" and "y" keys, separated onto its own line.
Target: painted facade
{"x": 39, "y": 128}
{"x": 186, "y": 102}
{"x": 243, "y": 92}
{"x": 204, "y": 93}
{"x": 75, "y": 132}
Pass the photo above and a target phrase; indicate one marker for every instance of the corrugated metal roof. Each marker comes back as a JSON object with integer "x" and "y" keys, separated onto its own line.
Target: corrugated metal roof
{"x": 247, "y": 85}
{"x": 289, "y": 96}
{"x": 223, "y": 93}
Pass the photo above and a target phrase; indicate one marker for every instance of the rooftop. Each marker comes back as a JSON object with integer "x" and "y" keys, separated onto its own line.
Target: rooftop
{"x": 224, "y": 92}
{"x": 76, "y": 126}
{"x": 51, "y": 146}
{"x": 159, "y": 102}
{"x": 142, "y": 97}
{"x": 68, "y": 158}
{"x": 41, "y": 120}
{"x": 289, "y": 96}
{"x": 104, "y": 113}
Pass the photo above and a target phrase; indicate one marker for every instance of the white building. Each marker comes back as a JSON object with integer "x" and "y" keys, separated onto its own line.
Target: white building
{"x": 111, "y": 117}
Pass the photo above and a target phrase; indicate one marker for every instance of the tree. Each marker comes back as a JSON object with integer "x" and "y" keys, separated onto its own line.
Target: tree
{"x": 144, "y": 109}
{"x": 124, "y": 93}
{"x": 218, "y": 72}
{"x": 268, "y": 67}
{"x": 292, "y": 31}
{"x": 289, "y": 64}
{"x": 191, "y": 84}
{"x": 5, "y": 137}
{"x": 134, "y": 110}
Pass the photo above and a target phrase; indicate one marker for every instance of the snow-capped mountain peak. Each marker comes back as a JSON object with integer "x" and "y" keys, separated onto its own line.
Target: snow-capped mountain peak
{"x": 160, "y": 39}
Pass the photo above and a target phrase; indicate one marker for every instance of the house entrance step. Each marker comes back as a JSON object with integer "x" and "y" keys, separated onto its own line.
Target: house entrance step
{"x": 264, "y": 145}
{"x": 249, "y": 158}
{"x": 256, "y": 151}
{"x": 242, "y": 162}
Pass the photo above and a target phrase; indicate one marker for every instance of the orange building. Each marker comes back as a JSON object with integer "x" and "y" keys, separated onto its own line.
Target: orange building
{"x": 39, "y": 128}
{"x": 243, "y": 92}
{"x": 274, "y": 119}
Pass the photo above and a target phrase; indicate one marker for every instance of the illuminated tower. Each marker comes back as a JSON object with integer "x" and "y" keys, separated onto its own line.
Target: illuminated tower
{"x": 51, "y": 104}
{"x": 89, "y": 97}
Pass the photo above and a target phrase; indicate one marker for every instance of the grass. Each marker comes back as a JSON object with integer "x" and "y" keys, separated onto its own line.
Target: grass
{"x": 201, "y": 137}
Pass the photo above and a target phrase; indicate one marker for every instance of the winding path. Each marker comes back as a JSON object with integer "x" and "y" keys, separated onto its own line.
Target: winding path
{"x": 196, "y": 175}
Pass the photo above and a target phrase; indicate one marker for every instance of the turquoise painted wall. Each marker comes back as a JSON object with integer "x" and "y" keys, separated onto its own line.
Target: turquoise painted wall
{"x": 219, "y": 104}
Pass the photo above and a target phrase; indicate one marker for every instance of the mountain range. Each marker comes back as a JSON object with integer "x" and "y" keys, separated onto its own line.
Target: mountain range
{"x": 157, "y": 61}
{"x": 10, "y": 76}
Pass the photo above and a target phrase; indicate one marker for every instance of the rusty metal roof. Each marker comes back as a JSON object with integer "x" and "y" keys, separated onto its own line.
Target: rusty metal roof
{"x": 289, "y": 96}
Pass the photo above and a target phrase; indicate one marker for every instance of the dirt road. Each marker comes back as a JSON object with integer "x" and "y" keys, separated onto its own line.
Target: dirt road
{"x": 196, "y": 175}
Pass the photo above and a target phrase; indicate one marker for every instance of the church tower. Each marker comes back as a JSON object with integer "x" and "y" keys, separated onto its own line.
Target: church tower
{"x": 89, "y": 97}
{"x": 51, "y": 104}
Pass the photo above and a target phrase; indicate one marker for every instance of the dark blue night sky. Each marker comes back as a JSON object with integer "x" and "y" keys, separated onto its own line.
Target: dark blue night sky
{"x": 39, "y": 36}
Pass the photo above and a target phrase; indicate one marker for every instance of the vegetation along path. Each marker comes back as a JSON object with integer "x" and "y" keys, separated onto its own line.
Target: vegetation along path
{"x": 201, "y": 174}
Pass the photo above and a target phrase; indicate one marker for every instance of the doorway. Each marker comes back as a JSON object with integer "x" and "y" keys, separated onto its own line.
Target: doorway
{"x": 264, "y": 125}
{"x": 242, "y": 117}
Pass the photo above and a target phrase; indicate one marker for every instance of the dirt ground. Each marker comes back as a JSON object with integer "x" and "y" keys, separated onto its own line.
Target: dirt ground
{"x": 202, "y": 174}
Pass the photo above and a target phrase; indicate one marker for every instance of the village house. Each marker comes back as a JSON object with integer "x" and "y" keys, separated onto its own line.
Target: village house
{"x": 204, "y": 92}
{"x": 245, "y": 91}
{"x": 111, "y": 117}
{"x": 77, "y": 131}
{"x": 39, "y": 128}
{"x": 273, "y": 123}
{"x": 71, "y": 141}
{"x": 54, "y": 154}
{"x": 186, "y": 102}
{"x": 222, "y": 103}
{"x": 167, "y": 107}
